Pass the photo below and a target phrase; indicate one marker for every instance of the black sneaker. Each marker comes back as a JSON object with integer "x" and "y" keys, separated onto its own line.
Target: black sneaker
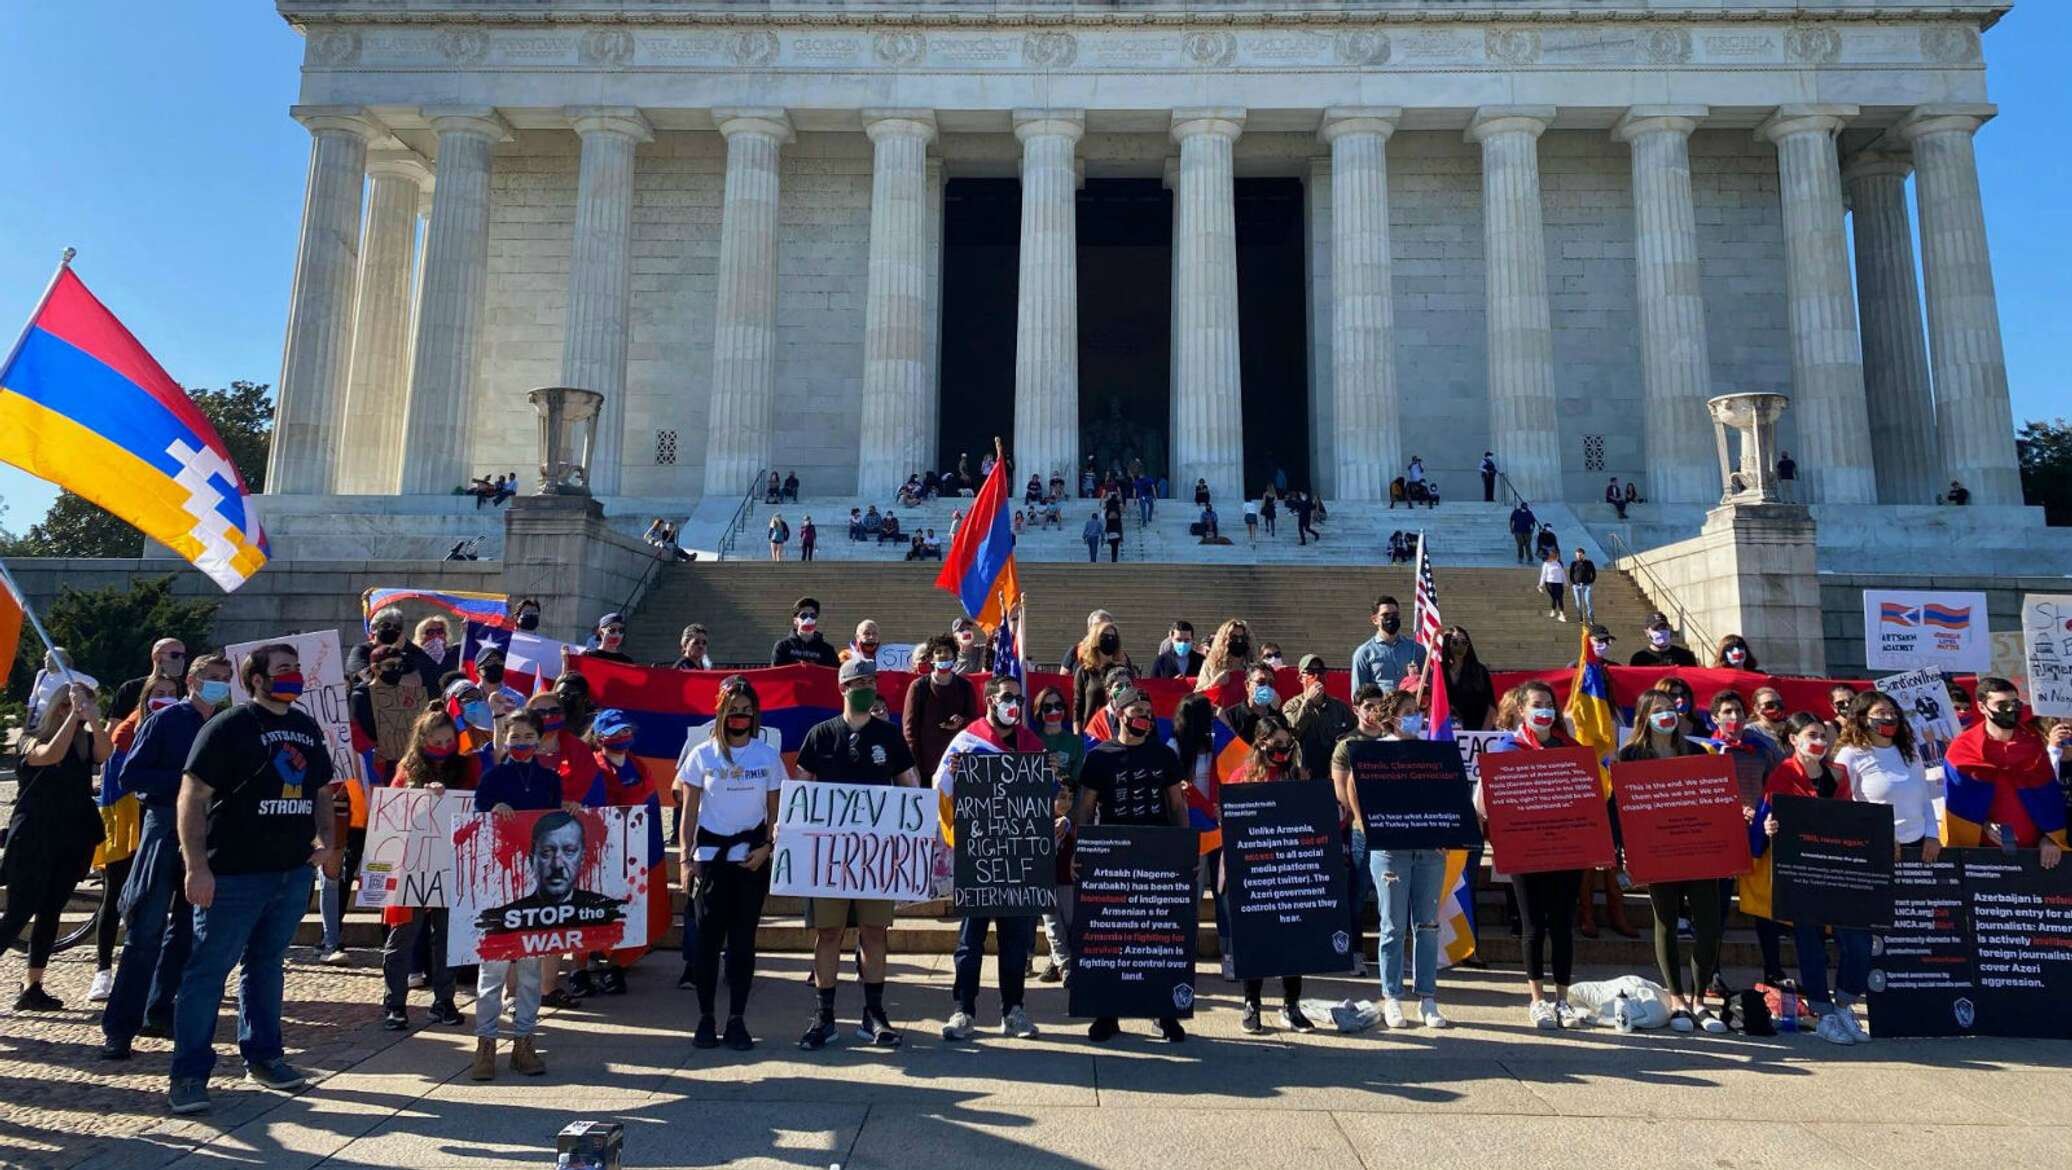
{"x": 819, "y": 1034}
{"x": 876, "y": 1029}
{"x": 684, "y": 982}
{"x": 737, "y": 1036}
{"x": 1171, "y": 1032}
{"x": 612, "y": 981}
{"x": 558, "y": 998}
{"x": 1103, "y": 1029}
{"x": 707, "y": 1035}
{"x": 113, "y": 1049}
{"x": 443, "y": 1012}
{"x": 395, "y": 1019}
{"x": 1293, "y": 1019}
{"x": 1248, "y": 1020}
{"x": 1052, "y": 973}
{"x": 581, "y": 986}
{"x": 34, "y": 999}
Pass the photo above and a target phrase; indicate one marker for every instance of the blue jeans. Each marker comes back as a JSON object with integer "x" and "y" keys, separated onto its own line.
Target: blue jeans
{"x": 1015, "y": 937}
{"x": 1143, "y": 508}
{"x": 1408, "y": 883}
{"x": 252, "y": 920}
{"x": 1853, "y": 978}
{"x": 148, "y": 973}
{"x": 1357, "y": 882}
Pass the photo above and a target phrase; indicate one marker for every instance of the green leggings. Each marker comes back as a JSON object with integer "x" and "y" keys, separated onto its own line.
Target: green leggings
{"x": 1700, "y": 902}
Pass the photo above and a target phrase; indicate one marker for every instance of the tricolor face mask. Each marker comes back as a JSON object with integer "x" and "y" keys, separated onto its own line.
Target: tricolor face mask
{"x": 1663, "y": 722}
{"x": 1540, "y": 719}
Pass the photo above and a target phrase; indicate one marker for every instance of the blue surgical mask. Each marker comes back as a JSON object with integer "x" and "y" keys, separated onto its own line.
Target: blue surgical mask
{"x": 1182, "y": 649}
{"x": 1264, "y": 696}
{"x": 214, "y": 691}
{"x": 477, "y": 715}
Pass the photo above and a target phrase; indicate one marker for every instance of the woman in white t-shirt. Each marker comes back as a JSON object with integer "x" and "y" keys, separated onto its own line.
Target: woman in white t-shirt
{"x": 1884, "y": 766}
{"x": 728, "y": 787}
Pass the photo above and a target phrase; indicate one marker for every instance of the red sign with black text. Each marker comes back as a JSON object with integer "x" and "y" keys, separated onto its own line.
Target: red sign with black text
{"x": 1546, "y": 811}
{"x": 1681, "y": 819}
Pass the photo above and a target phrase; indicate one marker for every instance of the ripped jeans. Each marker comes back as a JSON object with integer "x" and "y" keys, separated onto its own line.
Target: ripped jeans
{"x": 1406, "y": 882}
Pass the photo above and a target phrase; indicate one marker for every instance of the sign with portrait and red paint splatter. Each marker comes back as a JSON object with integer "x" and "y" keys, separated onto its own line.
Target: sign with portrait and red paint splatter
{"x": 547, "y": 883}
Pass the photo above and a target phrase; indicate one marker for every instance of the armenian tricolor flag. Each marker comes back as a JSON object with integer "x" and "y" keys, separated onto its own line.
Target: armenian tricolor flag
{"x": 979, "y": 568}
{"x": 1591, "y": 718}
{"x": 83, "y": 405}
{"x": 2009, "y": 783}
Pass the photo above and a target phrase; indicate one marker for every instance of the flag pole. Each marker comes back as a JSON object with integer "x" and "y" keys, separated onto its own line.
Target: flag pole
{"x": 35, "y": 623}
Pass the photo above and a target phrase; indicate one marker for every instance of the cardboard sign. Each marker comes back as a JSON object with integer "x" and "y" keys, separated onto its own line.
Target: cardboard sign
{"x": 1284, "y": 879}
{"x": 2021, "y": 920}
{"x": 323, "y": 692}
{"x": 408, "y": 858}
{"x": 2047, "y": 651}
{"x": 1925, "y": 700}
{"x": 1921, "y": 981}
{"x": 544, "y": 883}
{"x": 1681, "y": 819}
{"x": 1005, "y": 863}
{"x": 1414, "y": 794}
{"x": 1909, "y": 629}
{"x": 871, "y": 841}
{"x": 1831, "y": 862}
{"x": 1546, "y": 811}
{"x": 1135, "y": 920}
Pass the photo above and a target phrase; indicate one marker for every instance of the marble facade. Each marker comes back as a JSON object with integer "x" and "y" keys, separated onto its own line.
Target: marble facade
{"x": 1548, "y": 229}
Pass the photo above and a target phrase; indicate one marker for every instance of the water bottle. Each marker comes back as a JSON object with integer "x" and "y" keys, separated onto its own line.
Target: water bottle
{"x": 1622, "y": 1013}
{"x": 1787, "y": 1010}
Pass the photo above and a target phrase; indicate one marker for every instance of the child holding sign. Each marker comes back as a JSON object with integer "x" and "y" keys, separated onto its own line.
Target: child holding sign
{"x": 518, "y": 783}
{"x": 432, "y": 760}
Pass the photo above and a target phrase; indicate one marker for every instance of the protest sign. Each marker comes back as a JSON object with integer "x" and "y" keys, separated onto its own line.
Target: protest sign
{"x": 2021, "y": 919}
{"x": 871, "y": 841}
{"x": 1472, "y": 745}
{"x": 323, "y": 692}
{"x": 896, "y": 656}
{"x": 408, "y": 858}
{"x": 2047, "y": 651}
{"x": 1831, "y": 862}
{"x": 1284, "y": 879}
{"x": 1135, "y": 921}
{"x": 1921, "y": 981}
{"x": 1925, "y": 700}
{"x": 1909, "y": 629}
{"x": 545, "y": 883}
{"x": 1414, "y": 794}
{"x": 1681, "y": 819}
{"x": 1005, "y": 863}
{"x": 1546, "y": 811}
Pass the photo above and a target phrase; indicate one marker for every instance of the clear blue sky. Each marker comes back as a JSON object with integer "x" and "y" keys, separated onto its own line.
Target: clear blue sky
{"x": 155, "y": 138}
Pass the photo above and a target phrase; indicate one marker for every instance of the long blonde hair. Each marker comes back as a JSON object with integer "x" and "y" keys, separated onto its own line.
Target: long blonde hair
{"x": 1218, "y": 660}
{"x": 1089, "y": 653}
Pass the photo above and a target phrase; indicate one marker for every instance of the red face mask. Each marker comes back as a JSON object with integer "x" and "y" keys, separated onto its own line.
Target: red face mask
{"x": 440, "y": 751}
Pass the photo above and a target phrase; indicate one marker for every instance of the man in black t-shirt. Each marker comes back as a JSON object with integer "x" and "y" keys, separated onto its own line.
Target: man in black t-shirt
{"x": 854, "y": 747}
{"x": 168, "y": 660}
{"x": 1132, "y": 780}
{"x": 254, "y": 825}
{"x": 1661, "y": 651}
{"x": 805, "y": 643}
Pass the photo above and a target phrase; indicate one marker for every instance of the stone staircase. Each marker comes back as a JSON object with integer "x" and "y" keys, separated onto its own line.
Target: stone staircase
{"x": 1321, "y": 608}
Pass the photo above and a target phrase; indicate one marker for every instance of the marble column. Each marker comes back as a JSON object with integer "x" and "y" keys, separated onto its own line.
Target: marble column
{"x": 896, "y": 384}
{"x": 1046, "y": 334}
{"x": 1208, "y": 400}
{"x": 370, "y": 452}
{"x": 1523, "y": 428}
{"x": 1834, "y": 452}
{"x": 1366, "y": 426}
{"x": 740, "y": 425}
{"x": 1974, "y": 421}
{"x": 1675, "y": 358}
{"x": 437, "y": 452}
{"x": 318, "y": 356}
{"x": 600, "y": 277}
{"x": 1895, "y": 355}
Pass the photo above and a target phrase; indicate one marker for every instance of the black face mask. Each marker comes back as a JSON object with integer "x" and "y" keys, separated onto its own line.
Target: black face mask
{"x": 1391, "y": 624}
{"x": 1240, "y": 647}
{"x": 1110, "y": 643}
{"x": 493, "y": 673}
{"x": 528, "y": 621}
{"x": 387, "y": 635}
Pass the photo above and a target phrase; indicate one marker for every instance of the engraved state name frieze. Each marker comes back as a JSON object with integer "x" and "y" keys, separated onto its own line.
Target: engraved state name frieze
{"x": 1268, "y": 48}
{"x": 970, "y": 50}
{"x": 1741, "y": 46}
{"x": 825, "y": 48}
{"x": 681, "y": 48}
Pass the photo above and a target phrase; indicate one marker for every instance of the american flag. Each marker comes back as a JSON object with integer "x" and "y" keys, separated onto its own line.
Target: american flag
{"x": 1425, "y": 612}
{"x": 1007, "y": 643}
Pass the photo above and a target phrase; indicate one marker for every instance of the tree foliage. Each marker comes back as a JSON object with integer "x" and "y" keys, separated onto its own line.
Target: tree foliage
{"x": 77, "y": 527}
{"x": 109, "y": 631}
{"x": 2045, "y": 449}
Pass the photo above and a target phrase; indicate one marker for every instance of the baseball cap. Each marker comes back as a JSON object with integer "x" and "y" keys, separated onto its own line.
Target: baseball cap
{"x": 611, "y": 723}
{"x": 1658, "y": 620}
{"x": 857, "y": 667}
{"x": 614, "y": 618}
{"x": 1311, "y": 662}
{"x": 1602, "y": 634}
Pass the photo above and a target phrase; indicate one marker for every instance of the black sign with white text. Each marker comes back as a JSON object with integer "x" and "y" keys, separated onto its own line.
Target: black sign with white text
{"x": 1006, "y": 852}
{"x": 1284, "y": 879}
{"x": 1414, "y": 794}
{"x": 1921, "y": 979}
{"x": 1981, "y": 944}
{"x": 1135, "y": 920}
{"x": 1831, "y": 862}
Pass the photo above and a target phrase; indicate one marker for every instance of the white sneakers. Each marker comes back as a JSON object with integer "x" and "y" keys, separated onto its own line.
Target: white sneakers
{"x": 960, "y": 1027}
{"x": 1569, "y": 1017}
{"x": 1392, "y": 1014}
{"x": 1832, "y": 1030}
{"x": 1429, "y": 1009}
{"x": 1541, "y": 1013}
{"x": 335, "y": 958}
{"x": 104, "y": 984}
{"x": 1427, "y": 1014}
{"x": 1016, "y": 1023}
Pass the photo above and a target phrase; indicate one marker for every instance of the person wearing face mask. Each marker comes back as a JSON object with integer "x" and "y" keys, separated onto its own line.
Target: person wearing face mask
{"x": 1885, "y": 767}
{"x": 863, "y": 645}
{"x": 627, "y": 784}
{"x": 1098, "y": 653}
{"x": 1998, "y": 782}
{"x": 938, "y": 705}
{"x": 53, "y": 830}
{"x": 1661, "y": 651}
{"x": 1733, "y": 653}
{"x": 1178, "y": 658}
{"x": 441, "y": 653}
{"x": 255, "y": 822}
{"x": 168, "y": 661}
{"x": 1070, "y": 657}
{"x": 1386, "y": 657}
{"x": 729, "y": 783}
{"x": 1756, "y": 756}
{"x": 853, "y": 748}
{"x": 1194, "y": 743}
{"x": 974, "y": 654}
{"x": 1375, "y": 714}
{"x": 1683, "y": 700}
{"x": 1261, "y": 698}
{"x": 527, "y": 615}
{"x": 562, "y": 751}
{"x": 609, "y": 640}
{"x": 1274, "y": 757}
{"x": 432, "y": 760}
{"x": 1808, "y": 771}
{"x": 158, "y": 924}
{"x": 121, "y": 820}
{"x": 1230, "y": 652}
{"x": 1470, "y": 690}
{"x": 1582, "y": 575}
{"x": 1001, "y": 730}
{"x": 489, "y": 667}
{"x": 1769, "y": 714}
{"x": 1840, "y": 698}
{"x": 383, "y": 703}
{"x": 1547, "y": 901}
{"x": 469, "y": 709}
{"x": 1660, "y": 732}
{"x": 693, "y": 649}
{"x": 1068, "y": 753}
{"x": 804, "y": 645}
{"x": 1317, "y": 718}
{"x": 517, "y": 782}
{"x": 385, "y": 628}
{"x": 1132, "y": 780}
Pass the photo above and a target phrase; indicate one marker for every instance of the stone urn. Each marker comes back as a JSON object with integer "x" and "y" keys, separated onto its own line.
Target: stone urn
{"x": 1748, "y": 421}
{"x": 568, "y": 432}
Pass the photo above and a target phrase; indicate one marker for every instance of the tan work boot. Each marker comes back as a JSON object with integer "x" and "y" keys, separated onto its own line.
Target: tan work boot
{"x": 524, "y": 1060}
{"x": 484, "y": 1068}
